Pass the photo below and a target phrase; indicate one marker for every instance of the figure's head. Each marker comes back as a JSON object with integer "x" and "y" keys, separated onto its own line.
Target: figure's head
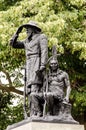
{"x": 29, "y": 31}
{"x": 32, "y": 27}
{"x": 53, "y": 64}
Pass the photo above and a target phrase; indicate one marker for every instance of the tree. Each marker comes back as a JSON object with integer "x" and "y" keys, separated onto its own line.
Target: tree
{"x": 8, "y": 113}
{"x": 64, "y": 22}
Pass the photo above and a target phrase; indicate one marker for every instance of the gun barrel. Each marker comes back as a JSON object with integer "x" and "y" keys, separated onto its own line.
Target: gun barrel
{"x": 24, "y": 104}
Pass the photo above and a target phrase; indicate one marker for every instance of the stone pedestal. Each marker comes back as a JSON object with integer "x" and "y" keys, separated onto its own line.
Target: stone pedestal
{"x": 45, "y": 126}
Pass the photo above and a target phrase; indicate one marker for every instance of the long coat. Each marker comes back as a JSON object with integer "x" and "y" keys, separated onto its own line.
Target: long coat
{"x": 36, "y": 55}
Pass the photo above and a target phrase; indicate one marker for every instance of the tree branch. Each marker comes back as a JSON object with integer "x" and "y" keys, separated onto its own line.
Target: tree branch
{"x": 7, "y": 76}
{"x": 4, "y": 87}
{"x": 10, "y": 89}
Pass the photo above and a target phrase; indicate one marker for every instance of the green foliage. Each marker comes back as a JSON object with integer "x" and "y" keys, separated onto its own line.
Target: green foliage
{"x": 5, "y": 4}
{"x": 8, "y": 113}
{"x": 79, "y": 101}
{"x": 62, "y": 26}
{"x": 4, "y": 100}
{"x": 64, "y": 22}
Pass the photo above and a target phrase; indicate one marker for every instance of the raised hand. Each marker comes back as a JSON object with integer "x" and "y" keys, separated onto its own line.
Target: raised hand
{"x": 19, "y": 29}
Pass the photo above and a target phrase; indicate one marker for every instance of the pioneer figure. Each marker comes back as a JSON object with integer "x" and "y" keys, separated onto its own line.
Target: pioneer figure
{"x": 36, "y": 49}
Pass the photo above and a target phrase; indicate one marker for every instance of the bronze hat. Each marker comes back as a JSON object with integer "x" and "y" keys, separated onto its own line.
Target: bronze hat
{"x": 32, "y": 24}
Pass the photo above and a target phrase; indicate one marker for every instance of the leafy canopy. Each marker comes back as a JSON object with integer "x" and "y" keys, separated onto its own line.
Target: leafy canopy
{"x": 64, "y": 22}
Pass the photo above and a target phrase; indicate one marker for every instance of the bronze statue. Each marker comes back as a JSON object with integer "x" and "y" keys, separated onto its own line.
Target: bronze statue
{"x": 57, "y": 81}
{"x": 48, "y": 100}
{"x": 57, "y": 107}
{"x": 36, "y": 49}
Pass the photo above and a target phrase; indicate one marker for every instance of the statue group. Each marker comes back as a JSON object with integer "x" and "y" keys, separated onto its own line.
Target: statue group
{"x": 48, "y": 88}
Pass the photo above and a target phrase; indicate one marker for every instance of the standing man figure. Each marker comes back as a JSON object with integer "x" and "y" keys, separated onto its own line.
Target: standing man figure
{"x": 36, "y": 49}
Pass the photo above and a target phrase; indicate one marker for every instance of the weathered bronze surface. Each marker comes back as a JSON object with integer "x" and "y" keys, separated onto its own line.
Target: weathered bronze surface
{"x": 48, "y": 101}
